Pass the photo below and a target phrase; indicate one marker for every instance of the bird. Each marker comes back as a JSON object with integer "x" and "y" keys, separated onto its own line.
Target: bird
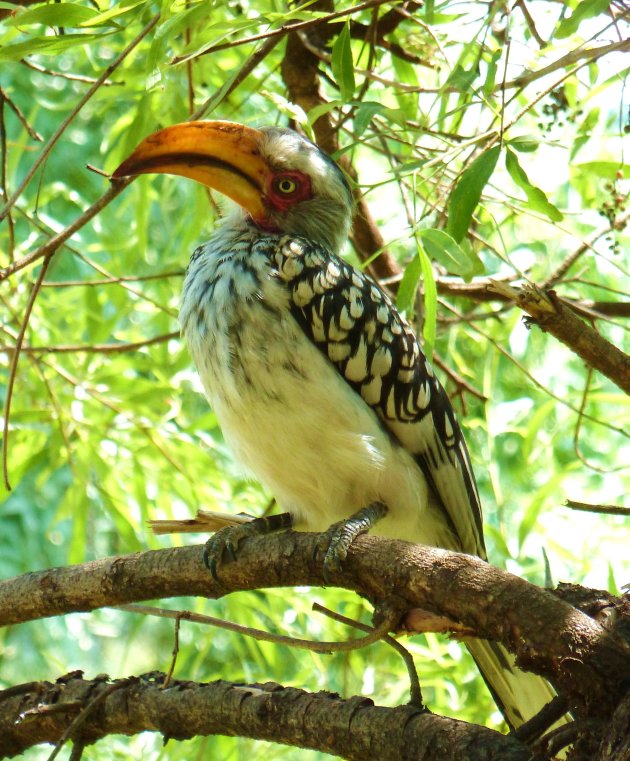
{"x": 320, "y": 385}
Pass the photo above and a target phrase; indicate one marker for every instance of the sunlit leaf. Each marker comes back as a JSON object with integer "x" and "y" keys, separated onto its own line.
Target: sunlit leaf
{"x": 342, "y": 63}
{"x": 536, "y": 199}
{"x": 408, "y": 285}
{"x": 585, "y": 9}
{"x": 44, "y": 46}
{"x": 467, "y": 192}
{"x": 462, "y": 79}
{"x": 524, "y": 144}
{"x": 364, "y": 114}
{"x": 53, "y": 14}
{"x": 440, "y": 246}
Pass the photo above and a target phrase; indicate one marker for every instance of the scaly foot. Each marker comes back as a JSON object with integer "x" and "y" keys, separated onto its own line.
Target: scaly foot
{"x": 339, "y": 537}
{"x": 228, "y": 539}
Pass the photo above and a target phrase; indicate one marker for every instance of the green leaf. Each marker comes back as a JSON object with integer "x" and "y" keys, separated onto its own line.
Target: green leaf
{"x": 119, "y": 9}
{"x": 342, "y": 64}
{"x": 585, "y": 9}
{"x": 292, "y": 110}
{"x": 536, "y": 199}
{"x": 524, "y": 144}
{"x": 321, "y": 109}
{"x": 53, "y": 14}
{"x": 420, "y": 266}
{"x": 466, "y": 195}
{"x": 491, "y": 74}
{"x": 440, "y": 246}
{"x": 409, "y": 285}
{"x": 363, "y": 116}
{"x": 604, "y": 169}
{"x": 44, "y": 46}
{"x": 462, "y": 79}
{"x": 430, "y": 302}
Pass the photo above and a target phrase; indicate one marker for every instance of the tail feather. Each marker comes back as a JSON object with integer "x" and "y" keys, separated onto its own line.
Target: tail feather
{"x": 519, "y": 695}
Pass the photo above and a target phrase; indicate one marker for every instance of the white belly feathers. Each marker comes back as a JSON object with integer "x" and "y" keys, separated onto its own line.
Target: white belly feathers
{"x": 288, "y": 415}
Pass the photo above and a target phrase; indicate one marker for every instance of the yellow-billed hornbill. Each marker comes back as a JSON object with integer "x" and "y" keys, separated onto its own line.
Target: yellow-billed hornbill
{"x": 319, "y": 384}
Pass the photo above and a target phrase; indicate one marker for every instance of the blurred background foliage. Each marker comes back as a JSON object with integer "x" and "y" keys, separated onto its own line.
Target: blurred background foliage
{"x": 107, "y": 427}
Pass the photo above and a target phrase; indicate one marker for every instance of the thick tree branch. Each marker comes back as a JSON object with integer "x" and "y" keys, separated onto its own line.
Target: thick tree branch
{"x": 552, "y": 316}
{"x": 352, "y": 729}
{"x": 481, "y": 291}
{"x": 586, "y": 663}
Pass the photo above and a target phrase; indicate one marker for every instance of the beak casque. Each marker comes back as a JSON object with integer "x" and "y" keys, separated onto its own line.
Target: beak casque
{"x": 224, "y": 156}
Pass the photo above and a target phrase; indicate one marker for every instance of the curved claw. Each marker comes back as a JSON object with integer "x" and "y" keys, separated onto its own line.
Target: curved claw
{"x": 337, "y": 550}
{"x": 340, "y": 536}
{"x": 216, "y": 546}
{"x": 228, "y": 539}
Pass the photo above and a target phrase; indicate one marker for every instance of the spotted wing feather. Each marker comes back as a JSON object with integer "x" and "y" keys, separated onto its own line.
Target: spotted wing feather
{"x": 357, "y": 326}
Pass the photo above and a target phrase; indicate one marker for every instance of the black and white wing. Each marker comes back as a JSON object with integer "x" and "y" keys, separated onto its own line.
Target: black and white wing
{"x": 357, "y": 326}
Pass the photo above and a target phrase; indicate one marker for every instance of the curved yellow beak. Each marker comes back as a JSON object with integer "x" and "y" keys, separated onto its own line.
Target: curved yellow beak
{"x": 224, "y": 156}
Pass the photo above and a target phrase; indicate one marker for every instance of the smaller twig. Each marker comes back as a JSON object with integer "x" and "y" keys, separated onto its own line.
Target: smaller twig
{"x": 81, "y": 718}
{"x": 557, "y": 318}
{"x": 17, "y": 111}
{"x": 578, "y": 427}
{"x": 70, "y": 706}
{"x": 415, "y": 691}
{"x": 20, "y": 689}
{"x": 77, "y": 751}
{"x": 278, "y": 639}
{"x": 553, "y": 742}
{"x": 532, "y": 378}
{"x": 531, "y": 25}
{"x": 602, "y": 509}
{"x": 13, "y": 368}
{"x": 281, "y": 31}
{"x": 109, "y": 348}
{"x": 112, "y": 280}
{"x": 64, "y": 75}
{"x": 79, "y": 105}
{"x": 573, "y": 56}
{"x": 545, "y": 718}
{"x": 246, "y": 69}
{"x": 3, "y": 173}
{"x": 587, "y": 245}
{"x": 171, "y": 668}
{"x": 56, "y": 241}
{"x": 96, "y": 170}
{"x": 461, "y": 382}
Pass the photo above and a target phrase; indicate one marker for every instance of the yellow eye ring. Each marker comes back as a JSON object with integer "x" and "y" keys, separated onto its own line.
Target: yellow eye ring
{"x": 286, "y": 185}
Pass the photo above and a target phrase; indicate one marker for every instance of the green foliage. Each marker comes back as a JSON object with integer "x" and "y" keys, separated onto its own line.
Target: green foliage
{"x": 108, "y": 427}
{"x": 468, "y": 190}
{"x": 537, "y": 200}
{"x": 342, "y": 65}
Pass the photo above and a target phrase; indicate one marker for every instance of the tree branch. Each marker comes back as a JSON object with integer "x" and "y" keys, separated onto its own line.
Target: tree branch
{"x": 554, "y": 317}
{"x": 586, "y": 663}
{"x": 354, "y": 729}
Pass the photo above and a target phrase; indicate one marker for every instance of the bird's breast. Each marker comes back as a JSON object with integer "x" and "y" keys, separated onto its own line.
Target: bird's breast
{"x": 285, "y": 411}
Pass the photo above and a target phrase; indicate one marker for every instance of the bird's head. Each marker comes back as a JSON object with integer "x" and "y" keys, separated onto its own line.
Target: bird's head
{"x": 281, "y": 181}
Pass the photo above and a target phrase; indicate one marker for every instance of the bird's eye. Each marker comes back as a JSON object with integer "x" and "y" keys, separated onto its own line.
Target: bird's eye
{"x": 287, "y": 189}
{"x": 286, "y": 185}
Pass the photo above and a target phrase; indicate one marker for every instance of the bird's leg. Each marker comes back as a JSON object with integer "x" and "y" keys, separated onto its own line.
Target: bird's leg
{"x": 228, "y": 538}
{"x": 340, "y": 535}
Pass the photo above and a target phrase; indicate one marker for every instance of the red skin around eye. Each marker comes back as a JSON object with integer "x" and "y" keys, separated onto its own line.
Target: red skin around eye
{"x": 283, "y": 201}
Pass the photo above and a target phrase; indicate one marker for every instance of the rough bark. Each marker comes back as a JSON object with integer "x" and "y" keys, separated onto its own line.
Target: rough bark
{"x": 351, "y": 729}
{"x": 587, "y": 663}
{"x": 551, "y": 315}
